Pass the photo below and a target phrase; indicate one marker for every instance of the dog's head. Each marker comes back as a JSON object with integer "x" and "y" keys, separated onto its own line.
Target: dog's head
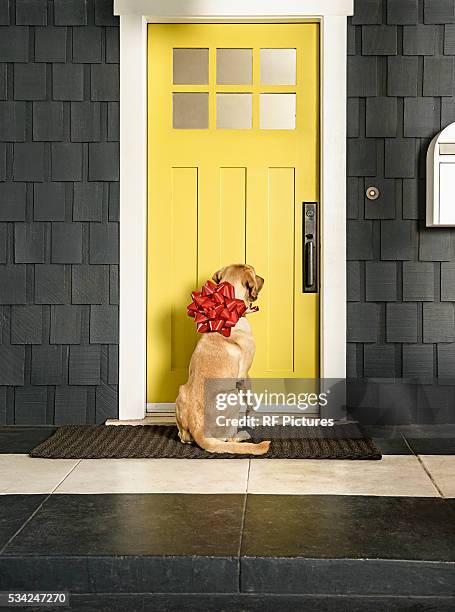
{"x": 243, "y": 277}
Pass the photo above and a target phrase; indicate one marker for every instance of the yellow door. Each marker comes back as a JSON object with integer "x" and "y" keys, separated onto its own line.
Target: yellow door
{"x": 232, "y": 155}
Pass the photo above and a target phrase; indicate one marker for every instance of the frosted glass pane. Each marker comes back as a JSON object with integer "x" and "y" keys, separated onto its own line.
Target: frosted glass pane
{"x": 278, "y": 66}
{"x": 234, "y": 66}
{"x": 190, "y": 110}
{"x": 277, "y": 111}
{"x": 191, "y": 66}
{"x": 233, "y": 111}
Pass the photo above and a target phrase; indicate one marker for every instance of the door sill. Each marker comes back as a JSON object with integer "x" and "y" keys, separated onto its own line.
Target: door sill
{"x": 156, "y": 419}
{"x": 159, "y": 408}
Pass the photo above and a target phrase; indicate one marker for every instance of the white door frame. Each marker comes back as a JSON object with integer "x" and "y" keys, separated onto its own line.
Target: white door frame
{"x": 134, "y": 17}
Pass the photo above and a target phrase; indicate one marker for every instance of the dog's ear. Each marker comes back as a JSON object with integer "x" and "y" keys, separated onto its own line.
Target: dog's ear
{"x": 218, "y": 276}
{"x": 252, "y": 289}
{"x": 254, "y": 284}
{"x": 260, "y": 282}
{"x": 250, "y": 283}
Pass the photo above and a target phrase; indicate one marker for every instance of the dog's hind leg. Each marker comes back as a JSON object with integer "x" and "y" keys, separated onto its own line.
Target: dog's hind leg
{"x": 184, "y": 434}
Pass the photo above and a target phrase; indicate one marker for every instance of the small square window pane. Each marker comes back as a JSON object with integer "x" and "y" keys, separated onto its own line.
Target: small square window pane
{"x": 234, "y": 66}
{"x": 191, "y": 66}
{"x": 278, "y": 66}
{"x": 277, "y": 111}
{"x": 233, "y": 111}
{"x": 190, "y": 110}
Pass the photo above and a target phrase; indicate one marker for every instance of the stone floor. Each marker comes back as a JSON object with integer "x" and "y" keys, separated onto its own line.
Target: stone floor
{"x": 420, "y": 467}
{"x": 167, "y": 534}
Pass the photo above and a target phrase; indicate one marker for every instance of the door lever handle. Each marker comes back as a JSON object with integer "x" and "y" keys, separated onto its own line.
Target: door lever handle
{"x": 309, "y": 247}
{"x": 309, "y": 264}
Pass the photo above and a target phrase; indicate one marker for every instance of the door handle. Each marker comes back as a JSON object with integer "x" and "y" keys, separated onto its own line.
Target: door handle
{"x": 309, "y": 247}
{"x": 309, "y": 263}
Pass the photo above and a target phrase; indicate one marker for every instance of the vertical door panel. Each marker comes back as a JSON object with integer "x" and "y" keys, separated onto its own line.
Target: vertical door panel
{"x": 173, "y": 267}
{"x": 280, "y": 246}
{"x": 270, "y": 244}
{"x": 183, "y": 253}
{"x": 221, "y": 219}
{"x": 257, "y": 251}
{"x": 209, "y": 223}
{"x": 232, "y": 214}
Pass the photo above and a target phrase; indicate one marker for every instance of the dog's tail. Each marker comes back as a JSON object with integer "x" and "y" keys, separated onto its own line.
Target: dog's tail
{"x": 213, "y": 445}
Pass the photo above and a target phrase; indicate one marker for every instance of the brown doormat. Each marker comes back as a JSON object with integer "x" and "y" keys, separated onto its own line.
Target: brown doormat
{"x": 162, "y": 441}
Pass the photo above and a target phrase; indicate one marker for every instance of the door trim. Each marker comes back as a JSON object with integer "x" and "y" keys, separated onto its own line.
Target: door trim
{"x": 134, "y": 17}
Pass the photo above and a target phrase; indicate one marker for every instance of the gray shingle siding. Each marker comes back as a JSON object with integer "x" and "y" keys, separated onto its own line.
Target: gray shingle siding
{"x": 409, "y": 274}
{"x": 59, "y": 92}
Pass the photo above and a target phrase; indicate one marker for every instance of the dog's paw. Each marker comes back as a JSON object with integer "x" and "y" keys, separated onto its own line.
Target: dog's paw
{"x": 241, "y": 436}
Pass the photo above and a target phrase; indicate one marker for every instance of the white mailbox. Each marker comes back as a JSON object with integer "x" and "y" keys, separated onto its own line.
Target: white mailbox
{"x": 441, "y": 179}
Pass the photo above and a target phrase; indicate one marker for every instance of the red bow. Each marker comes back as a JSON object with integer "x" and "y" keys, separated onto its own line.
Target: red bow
{"x": 215, "y": 308}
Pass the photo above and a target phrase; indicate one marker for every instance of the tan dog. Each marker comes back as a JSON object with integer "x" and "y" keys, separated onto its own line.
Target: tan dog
{"x": 216, "y": 356}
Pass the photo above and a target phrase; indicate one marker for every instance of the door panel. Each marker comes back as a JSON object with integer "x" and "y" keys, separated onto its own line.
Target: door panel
{"x": 280, "y": 246}
{"x": 232, "y": 214}
{"x": 232, "y": 154}
{"x": 183, "y": 226}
